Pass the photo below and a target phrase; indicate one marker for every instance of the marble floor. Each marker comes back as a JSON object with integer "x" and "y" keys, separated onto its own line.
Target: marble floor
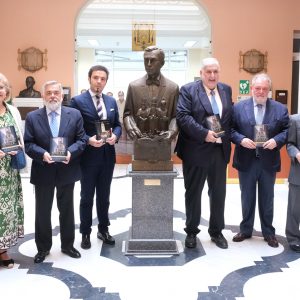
{"x": 249, "y": 270}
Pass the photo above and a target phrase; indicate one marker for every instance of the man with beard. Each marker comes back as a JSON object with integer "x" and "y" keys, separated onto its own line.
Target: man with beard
{"x": 41, "y": 126}
{"x": 257, "y": 162}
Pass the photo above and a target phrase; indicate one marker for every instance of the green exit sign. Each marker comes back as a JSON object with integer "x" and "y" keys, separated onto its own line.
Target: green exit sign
{"x": 244, "y": 87}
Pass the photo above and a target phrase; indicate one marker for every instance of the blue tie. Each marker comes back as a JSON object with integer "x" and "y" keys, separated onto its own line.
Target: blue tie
{"x": 259, "y": 114}
{"x": 214, "y": 104}
{"x": 54, "y": 124}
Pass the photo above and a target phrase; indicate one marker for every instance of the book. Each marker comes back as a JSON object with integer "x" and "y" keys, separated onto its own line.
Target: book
{"x": 8, "y": 139}
{"x": 260, "y": 134}
{"x": 59, "y": 148}
{"x": 103, "y": 129}
{"x": 214, "y": 124}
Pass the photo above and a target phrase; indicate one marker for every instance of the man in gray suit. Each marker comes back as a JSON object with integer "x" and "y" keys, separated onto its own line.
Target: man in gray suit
{"x": 293, "y": 211}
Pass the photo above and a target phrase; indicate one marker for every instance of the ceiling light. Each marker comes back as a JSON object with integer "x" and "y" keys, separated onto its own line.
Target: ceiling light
{"x": 93, "y": 43}
{"x": 189, "y": 44}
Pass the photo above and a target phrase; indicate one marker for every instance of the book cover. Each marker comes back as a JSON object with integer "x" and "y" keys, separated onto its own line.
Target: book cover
{"x": 58, "y": 148}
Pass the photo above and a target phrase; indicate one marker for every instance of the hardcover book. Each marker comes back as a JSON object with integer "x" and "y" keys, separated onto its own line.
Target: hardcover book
{"x": 103, "y": 129}
{"x": 260, "y": 134}
{"x": 59, "y": 148}
{"x": 8, "y": 139}
{"x": 214, "y": 124}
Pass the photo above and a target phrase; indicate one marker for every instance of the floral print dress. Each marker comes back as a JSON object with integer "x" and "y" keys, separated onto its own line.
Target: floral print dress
{"x": 11, "y": 196}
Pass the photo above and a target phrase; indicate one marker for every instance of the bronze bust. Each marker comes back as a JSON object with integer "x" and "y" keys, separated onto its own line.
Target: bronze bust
{"x": 150, "y": 114}
{"x": 29, "y": 92}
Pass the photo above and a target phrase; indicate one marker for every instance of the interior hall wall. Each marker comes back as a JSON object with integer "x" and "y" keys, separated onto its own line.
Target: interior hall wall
{"x": 42, "y": 24}
{"x": 236, "y": 26}
{"x": 267, "y": 26}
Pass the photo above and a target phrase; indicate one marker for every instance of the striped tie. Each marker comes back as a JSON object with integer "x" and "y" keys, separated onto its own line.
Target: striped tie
{"x": 99, "y": 106}
{"x": 54, "y": 124}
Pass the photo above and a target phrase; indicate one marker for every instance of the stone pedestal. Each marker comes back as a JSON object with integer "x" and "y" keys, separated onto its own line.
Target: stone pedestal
{"x": 151, "y": 232}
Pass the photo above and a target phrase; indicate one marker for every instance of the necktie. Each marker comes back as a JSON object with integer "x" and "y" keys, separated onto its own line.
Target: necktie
{"x": 99, "y": 106}
{"x": 259, "y": 114}
{"x": 54, "y": 124}
{"x": 214, "y": 104}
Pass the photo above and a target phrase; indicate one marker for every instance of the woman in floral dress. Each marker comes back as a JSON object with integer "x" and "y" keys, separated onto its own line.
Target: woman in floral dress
{"x": 11, "y": 197}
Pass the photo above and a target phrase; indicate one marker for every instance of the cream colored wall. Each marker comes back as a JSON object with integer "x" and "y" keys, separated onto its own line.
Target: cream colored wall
{"x": 85, "y": 59}
{"x": 236, "y": 26}
{"x": 195, "y": 56}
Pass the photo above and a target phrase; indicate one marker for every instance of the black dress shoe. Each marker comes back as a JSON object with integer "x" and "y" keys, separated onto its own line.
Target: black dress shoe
{"x": 85, "y": 242}
{"x": 106, "y": 238}
{"x": 40, "y": 256}
{"x": 239, "y": 237}
{"x": 219, "y": 240}
{"x": 190, "y": 240}
{"x": 72, "y": 252}
{"x": 272, "y": 241}
{"x": 295, "y": 247}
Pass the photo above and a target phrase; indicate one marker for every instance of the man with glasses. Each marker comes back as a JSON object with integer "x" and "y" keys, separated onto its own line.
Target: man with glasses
{"x": 257, "y": 156}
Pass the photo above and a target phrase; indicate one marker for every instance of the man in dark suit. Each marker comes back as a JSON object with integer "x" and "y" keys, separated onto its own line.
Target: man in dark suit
{"x": 293, "y": 211}
{"x": 99, "y": 157}
{"x": 204, "y": 154}
{"x": 41, "y": 126}
{"x": 257, "y": 165}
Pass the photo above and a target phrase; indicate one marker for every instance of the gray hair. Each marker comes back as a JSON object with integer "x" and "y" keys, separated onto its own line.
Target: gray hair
{"x": 261, "y": 76}
{"x": 51, "y": 82}
{"x": 209, "y": 61}
{"x": 6, "y": 85}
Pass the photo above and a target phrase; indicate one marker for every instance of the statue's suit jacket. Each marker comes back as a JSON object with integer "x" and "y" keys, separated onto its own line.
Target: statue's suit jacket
{"x": 192, "y": 110}
{"x": 37, "y": 138}
{"x": 84, "y": 103}
{"x": 293, "y": 147}
{"x": 138, "y": 91}
{"x": 276, "y": 118}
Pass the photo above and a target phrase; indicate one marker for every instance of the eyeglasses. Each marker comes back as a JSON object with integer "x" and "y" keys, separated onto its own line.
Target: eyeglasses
{"x": 261, "y": 89}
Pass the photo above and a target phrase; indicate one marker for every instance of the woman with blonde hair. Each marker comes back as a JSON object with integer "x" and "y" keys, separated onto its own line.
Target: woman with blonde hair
{"x": 11, "y": 196}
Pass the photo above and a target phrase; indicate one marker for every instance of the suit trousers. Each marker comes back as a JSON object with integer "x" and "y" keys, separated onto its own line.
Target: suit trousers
{"x": 293, "y": 215}
{"x": 99, "y": 178}
{"x": 44, "y": 195}
{"x": 194, "y": 180}
{"x": 256, "y": 175}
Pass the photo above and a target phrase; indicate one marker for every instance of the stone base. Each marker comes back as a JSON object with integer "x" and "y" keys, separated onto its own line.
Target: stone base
{"x": 151, "y": 247}
{"x": 142, "y": 165}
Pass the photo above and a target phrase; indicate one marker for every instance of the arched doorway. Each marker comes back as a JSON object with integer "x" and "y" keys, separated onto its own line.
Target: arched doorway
{"x": 104, "y": 36}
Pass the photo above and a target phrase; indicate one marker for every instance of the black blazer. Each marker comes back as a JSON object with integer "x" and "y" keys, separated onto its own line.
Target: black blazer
{"x": 192, "y": 109}
{"x": 37, "y": 141}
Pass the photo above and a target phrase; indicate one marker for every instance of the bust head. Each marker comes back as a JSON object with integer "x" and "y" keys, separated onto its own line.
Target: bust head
{"x": 154, "y": 59}
{"x": 29, "y": 82}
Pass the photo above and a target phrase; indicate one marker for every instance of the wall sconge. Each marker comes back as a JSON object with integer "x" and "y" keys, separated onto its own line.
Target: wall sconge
{"x": 32, "y": 59}
{"x": 143, "y": 35}
{"x": 253, "y": 61}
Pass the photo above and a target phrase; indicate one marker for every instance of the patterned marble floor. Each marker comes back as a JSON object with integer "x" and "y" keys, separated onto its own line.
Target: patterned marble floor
{"x": 249, "y": 270}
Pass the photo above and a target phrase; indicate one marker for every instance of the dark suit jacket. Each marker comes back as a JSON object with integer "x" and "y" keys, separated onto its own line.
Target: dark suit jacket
{"x": 138, "y": 91}
{"x": 293, "y": 146}
{"x": 37, "y": 141}
{"x": 84, "y": 103}
{"x": 276, "y": 118}
{"x": 192, "y": 109}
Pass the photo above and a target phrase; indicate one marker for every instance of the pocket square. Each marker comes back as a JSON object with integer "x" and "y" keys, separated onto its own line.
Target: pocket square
{"x": 112, "y": 109}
